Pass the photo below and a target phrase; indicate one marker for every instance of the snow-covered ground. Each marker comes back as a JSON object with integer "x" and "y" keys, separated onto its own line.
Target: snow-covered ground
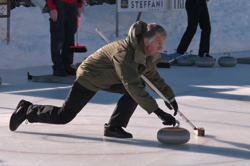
{"x": 30, "y": 38}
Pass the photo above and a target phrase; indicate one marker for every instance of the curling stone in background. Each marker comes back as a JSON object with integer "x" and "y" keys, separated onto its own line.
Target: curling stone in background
{"x": 165, "y": 57}
{"x": 185, "y": 61}
{"x": 227, "y": 61}
{"x": 205, "y": 61}
{"x": 165, "y": 60}
{"x": 174, "y": 56}
{"x": 173, "y": 135}
{"x": 192, "y": 55}
{"x": 72, "y": 65}
{"x": 77, "y": 65}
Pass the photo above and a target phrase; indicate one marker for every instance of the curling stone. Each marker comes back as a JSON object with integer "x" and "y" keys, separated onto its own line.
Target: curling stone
{"x": 166, "y": 61}
{"x": 165, "y": 57}
{"x": 227, "y": 61}
{"x": 77, "y": 65}
{"x": 174, "y": 56}
{"x": 193, "y": 56}
{"x": 185, "y": 61}
{"x": 205, "y": 62}
{"x": 173, "y": 135}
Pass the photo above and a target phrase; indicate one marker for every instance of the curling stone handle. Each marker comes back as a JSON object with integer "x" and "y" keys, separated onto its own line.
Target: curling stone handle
{"x": 227, "y": 53}
{"x": 178, "y": 124}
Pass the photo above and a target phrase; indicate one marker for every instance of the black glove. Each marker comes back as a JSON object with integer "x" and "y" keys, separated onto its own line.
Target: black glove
{"x": 173, "y": 104}
{"x": 165, "y": 117}
{"x": 168, "y": 105}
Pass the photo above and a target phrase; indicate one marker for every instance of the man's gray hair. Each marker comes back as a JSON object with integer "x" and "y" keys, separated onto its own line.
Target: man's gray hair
{"x": 152, "y": 29}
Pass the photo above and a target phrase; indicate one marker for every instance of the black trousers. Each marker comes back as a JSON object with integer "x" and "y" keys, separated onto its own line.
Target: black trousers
{"x": 62, "y": 34}
{"x": 77, "y": 98}
{"x": 197, "y": 12}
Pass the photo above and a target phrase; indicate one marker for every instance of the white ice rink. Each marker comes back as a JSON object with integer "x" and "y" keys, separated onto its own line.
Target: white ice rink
{"x": 216, "y": 98}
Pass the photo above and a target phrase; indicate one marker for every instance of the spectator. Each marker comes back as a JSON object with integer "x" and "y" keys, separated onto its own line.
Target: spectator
{"x": 197, "y": 13}
{"x": 63, "y": 26}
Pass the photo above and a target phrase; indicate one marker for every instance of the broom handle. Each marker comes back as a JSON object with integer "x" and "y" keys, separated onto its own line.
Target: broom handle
{"x": 165, "y": 99}
{"x": 102, "y": 35}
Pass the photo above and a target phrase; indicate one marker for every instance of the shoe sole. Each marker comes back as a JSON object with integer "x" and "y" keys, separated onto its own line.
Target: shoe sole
{"x": 111, "y": 135}
{"x": 13, "y": 119}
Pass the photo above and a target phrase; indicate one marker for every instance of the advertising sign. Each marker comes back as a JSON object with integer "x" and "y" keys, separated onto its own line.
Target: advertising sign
{"x": 4, "y": 8}
{"x": 149, "y": 5}
{"x": 141, "y": 5}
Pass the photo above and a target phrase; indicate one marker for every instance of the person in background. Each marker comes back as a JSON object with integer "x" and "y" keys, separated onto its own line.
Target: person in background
{"x": 197, "y": 13}
{"x": 63, "y": 26}
{"x": 116, "y": 67}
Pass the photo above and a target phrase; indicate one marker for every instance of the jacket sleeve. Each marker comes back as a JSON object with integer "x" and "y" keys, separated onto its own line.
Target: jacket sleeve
{"x": 154, "y": 77}
{"x": 80, "y": 3}
{"x": 51, "y": 5}
{"x": 127, "y": 71}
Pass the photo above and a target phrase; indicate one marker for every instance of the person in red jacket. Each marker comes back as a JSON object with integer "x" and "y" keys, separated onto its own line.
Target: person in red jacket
{"x": 63, "y": 26}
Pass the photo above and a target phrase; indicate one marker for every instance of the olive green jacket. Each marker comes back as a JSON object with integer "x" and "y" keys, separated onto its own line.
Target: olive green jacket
{"x": 122, "y": 62}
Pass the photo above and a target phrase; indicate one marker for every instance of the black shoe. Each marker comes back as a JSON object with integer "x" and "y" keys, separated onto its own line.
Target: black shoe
{"x": 110, "y": 131}
{"x": 60, "y": 73}
{"x": 70, "y": 71}
{"x": 19, "y": 114}
{"x": 210, "y": 57}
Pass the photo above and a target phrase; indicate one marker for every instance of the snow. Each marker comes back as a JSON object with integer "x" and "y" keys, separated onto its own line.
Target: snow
{"x": 29, "y": 44}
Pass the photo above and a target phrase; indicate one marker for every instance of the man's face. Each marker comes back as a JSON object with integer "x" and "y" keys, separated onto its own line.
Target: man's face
{"x": 155, "y": 47}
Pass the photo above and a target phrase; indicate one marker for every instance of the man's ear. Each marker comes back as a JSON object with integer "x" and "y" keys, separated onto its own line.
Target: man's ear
{"x": 145, "y": 42}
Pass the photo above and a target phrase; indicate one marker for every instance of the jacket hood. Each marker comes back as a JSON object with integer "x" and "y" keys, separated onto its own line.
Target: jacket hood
{"x": 135, "y": 39}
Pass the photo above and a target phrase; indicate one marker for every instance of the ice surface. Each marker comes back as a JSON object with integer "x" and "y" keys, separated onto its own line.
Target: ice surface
{"x": 217, "y": 99}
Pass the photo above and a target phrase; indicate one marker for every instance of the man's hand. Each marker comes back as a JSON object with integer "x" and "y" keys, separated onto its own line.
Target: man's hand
{"x": 165, "y": 117}
{"x": 173, "y": 105}
{"x": 79, "y": 12}
{"x": 54, "y": 15}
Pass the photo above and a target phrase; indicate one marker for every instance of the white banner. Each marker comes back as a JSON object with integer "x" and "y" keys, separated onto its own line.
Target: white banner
{"x": 149, "y": 5}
